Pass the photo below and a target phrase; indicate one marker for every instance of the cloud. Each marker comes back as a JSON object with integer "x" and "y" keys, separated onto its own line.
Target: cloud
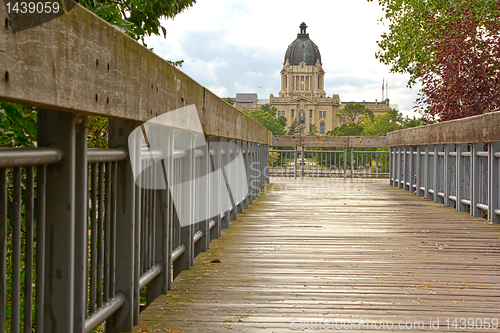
{"x": 238, "y": 46}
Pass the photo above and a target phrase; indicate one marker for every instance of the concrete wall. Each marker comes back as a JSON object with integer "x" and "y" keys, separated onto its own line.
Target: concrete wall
{"x": 482, "y": 128}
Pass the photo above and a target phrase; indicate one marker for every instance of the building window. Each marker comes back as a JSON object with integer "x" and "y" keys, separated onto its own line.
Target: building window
{"x": 324, "y": 114}
{"x": 302, "y": 118}
{"x": 292, "y": 114}
{"x": 310, "y": 113}
{"x": 322, "y": 128}
{"x": 279, "y": 113}
{"x": 283, "y": 113}
{"x": 297, "y": 79}
{"x": 307, "y": 82}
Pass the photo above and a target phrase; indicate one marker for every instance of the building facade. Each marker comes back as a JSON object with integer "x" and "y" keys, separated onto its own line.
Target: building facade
{"x": 302, "y": 95}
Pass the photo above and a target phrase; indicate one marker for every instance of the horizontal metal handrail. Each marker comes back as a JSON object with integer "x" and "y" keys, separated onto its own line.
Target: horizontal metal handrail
{"x": 104, "y": 312}
{"x": 197, "y": 236}
{"x": 179, "y": 250}
{"x": 465, "y": 202}
{"x": 482, "y": 206}
{"x": 154, "y": 154}
{"x": 198, "y": 153}
{"x": 98, "y": 155}
{"x": 178, "y": 154}
{"x": 482, "y": 153}
{"x": 453, "y": 153}
{"x": 211, "y": 224}
{"x": 149, "y": 275}
{"x": 465, "y": 154}
{"x": 19, "y": 157}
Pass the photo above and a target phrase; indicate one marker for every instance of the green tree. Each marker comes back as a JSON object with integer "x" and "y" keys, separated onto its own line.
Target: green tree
{"x": 347, "y": 129}
{"x": 382, "y": 124}
{"x": 353, "y": 112}
{"x": 267, "y": 120}
{"x": 138, "y": 18}
{"x": 313, "y": 130}
{"x": 410, "y": 31}
{"x": 17, "y": 125}
{"x": 269, "y": 109}
{"x": 229, "y": 100}
{"x": 282, "y": 121}
{"x": 294, "y": 128}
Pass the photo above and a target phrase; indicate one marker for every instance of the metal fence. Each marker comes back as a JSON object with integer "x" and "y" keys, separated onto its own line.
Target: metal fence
{"x": 328, "y": 162}
{"x": 82, "y": 239}
{"x": 464, "y": 176}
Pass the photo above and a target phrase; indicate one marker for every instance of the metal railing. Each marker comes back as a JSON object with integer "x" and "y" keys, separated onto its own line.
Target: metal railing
{"x": 102, "y": 287}
{"x": 328, "y": 162}
{"x": 460, "y": 175}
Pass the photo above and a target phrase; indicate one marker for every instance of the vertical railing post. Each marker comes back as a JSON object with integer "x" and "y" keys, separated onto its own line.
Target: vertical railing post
{"x": 352, "y": 163}
{"x": 411, "y": 167}
{"x": 419, "y": 171}
{"x": 122, "y": 320}
{"x": 427, "y": 171}
{"x": 81, "y": 224}
{"x": 493, "y": 183}
{"x": 404, "y": 168}
{"x": 398, "y": 177}
{"x": 246, "y": 191}
{"x": 215, "y": 202}
{"x": 224, "y": 152}
{"x": 303, "y": 154}
{"x": 163, "y": 248}
{"x": 345, "y": 162}
{"x": 391, "y": 166}
{"x": 448, "y": 172}
{"x": 295, "y": 162}
{"x": 185, "y": 210}
{"x": 460, "y": 185}
{"x": 437, "y": 171}
{"x": 58, "y": 129}
{"x": 475, "y": 180}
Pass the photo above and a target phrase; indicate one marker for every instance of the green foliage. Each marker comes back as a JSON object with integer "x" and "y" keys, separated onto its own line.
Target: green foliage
{"x": 378, "y": 125}
{"x": 17, "y": 125}
{"x": 267, "y": 120}
{"x": 269, "y": 109}
{"x": 294, "y": 128}
{"x": 97, "y": 129}
{"x": 282, "y": 121}
{"x": 138, "y": 18}
{"x": 228, "y": 100}
{"x": 410, "y": 30}
{"x": 313, "y": 130}
{"x": 346, "y": 129}
{"x": 353, "y": 112}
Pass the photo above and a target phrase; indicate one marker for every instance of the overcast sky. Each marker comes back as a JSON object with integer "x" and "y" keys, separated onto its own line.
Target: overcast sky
{"x": 236, "y": 46}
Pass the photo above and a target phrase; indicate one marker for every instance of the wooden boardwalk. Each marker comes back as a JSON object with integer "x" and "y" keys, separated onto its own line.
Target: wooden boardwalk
{"x": 334, "y": 251}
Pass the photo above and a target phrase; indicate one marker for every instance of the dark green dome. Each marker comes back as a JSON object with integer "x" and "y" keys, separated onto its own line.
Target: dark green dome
{"x": 302, "y": 49}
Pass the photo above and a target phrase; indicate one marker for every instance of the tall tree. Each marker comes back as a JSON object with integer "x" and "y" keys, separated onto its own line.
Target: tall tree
{"x": 267, "y": 120}
{"x": 404, "y": 46}
{"x": 313, "y": 130}
{"x": 463, "y": 77}
{"x": 138, "y": 18}
{"x": 294, "y": 128}
{"x": 353, "y": 112}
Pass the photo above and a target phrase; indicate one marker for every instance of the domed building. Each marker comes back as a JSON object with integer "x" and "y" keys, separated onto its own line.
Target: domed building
{"x": 302, "y": 95}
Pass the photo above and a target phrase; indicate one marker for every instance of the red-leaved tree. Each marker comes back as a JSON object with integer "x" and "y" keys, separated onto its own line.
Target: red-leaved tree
{"x": 463, "y": 78}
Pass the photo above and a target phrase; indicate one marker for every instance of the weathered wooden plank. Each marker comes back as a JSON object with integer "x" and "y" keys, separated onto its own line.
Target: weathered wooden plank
{"x": 367, "y": 141}
{"x": 287, "y": 141}
{"x": 328, "y": 141}
{"x": 314, "y": 249}
{"x": 477, "y": 129}
{"x": 325, "y": 141}
{"x": 79, "y": 63}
